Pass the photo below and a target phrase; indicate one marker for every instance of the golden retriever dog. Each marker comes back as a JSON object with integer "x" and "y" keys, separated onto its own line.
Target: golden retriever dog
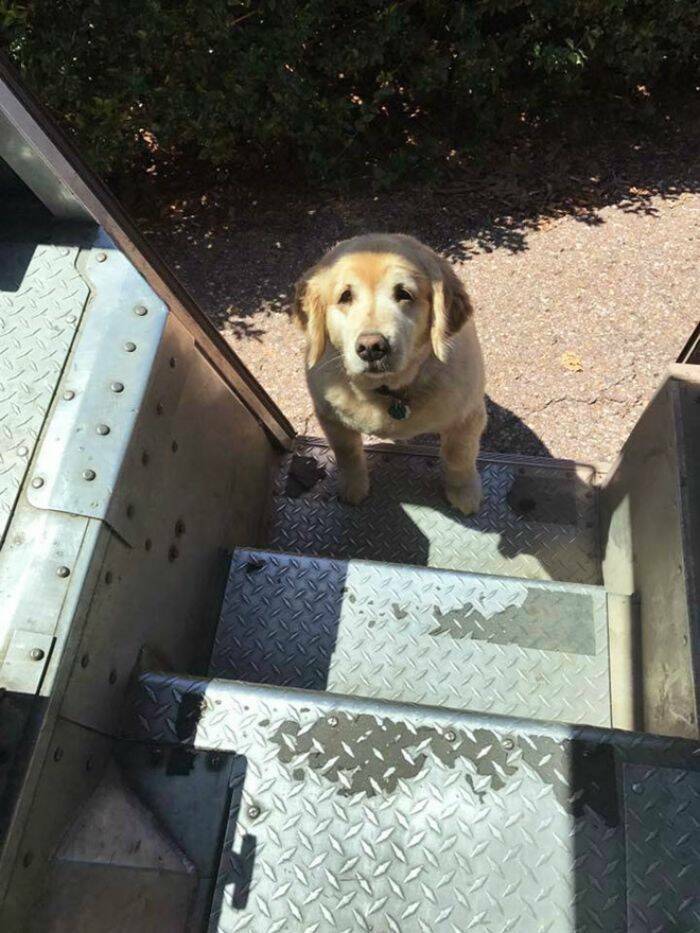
{"x": 393, "y": 352}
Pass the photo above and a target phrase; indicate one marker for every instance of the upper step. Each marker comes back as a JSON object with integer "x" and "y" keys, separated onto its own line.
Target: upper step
{"x": 538, "y": 520}
{"x": 435, "y": 637}
{"x": 357, "y": 815}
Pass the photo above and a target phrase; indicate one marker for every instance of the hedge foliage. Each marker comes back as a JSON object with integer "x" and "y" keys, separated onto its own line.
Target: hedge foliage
{"x": 332, "y": 86}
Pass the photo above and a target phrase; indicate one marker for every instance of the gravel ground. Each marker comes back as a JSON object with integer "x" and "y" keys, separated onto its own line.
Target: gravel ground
{"x": 585, "y": 280}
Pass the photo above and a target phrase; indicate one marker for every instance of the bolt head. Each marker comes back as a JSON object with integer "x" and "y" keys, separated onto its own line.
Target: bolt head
{"x": 22, "y": 450}
{"x": 130, "y": 511}
{"x": 37, "y": 482}
{"x": 89, "y": 475}
{"x": 71, "y": 319}
{"x": 141, "y": 310}
{"x": 450, "y": 735}
{"x": 68, "y": 395}
{"x": 333, "y": 721}
{"x": 508, "y": 744}
{"x": 638, "y": 788}
{"x": 129, "y": 346}
{"x": 102, "y": 429}
{"x": 101, "y": 257}
{"x": 62, "y": 572}
{"x": 37, "y": 654}
{"x": 253, "y": 812}
{"x": 117, "y": 387}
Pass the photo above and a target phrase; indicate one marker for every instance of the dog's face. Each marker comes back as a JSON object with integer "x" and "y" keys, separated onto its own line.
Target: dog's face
{"x": 384, "y": 302}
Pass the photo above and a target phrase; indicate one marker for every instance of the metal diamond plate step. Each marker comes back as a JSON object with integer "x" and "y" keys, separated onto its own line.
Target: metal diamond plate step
{"x": 517, "y": 647}
{"x": 539, "y": 518}
{"x": 357, "y": 815}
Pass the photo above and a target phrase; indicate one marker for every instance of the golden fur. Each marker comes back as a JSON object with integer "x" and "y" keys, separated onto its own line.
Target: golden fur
{"x": 392, "y": 285}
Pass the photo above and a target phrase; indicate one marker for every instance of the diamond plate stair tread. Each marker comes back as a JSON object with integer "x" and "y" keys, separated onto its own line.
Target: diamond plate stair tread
{"x": 537, "y": 522}
{"x": 41, "y": 300}
{"x": 352, "y": 814}
{"x": 516, "y": 647}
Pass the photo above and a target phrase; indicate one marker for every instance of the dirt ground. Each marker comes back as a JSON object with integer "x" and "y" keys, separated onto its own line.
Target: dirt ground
{"x": 584, "y": 267}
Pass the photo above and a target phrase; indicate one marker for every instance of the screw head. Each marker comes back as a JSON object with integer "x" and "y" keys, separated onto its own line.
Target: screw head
{"x": 450, "y": 735}
{"x": 172, "y": 362}
{"x": 638, "y": 788}
{"x": 129, "y": 346}
{"x": 508, "y": 744}
{"x": 253, "y": 812}
{"x": 130, "y": 511}
{"x": 101, "y": 257}
{"x": 117, "y": 387}
{"x": 71, "y": 319}
{"x": 333, "y": 721}
{"x": 179, "y": 528}
{"x": 68, "y": 395}
{"x": 173, "y": 553}
{"x": 85, "y": 660}
{"x": 159, "y": 408}
{"x": 89, "y": 475}
{"x": 37, "y": 654}
{"x": 58, "y": 754}
{"x": 37, "y": 482}
{"x": 22, "y": 450}
{"x": 103, "y": 429}
{"x": 62, "y": 572}
{"x": 141, "y": 310}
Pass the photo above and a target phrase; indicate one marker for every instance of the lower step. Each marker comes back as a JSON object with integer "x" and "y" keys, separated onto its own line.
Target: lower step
{"x": 357, "y": 815}
{"x": 436, "y": 637}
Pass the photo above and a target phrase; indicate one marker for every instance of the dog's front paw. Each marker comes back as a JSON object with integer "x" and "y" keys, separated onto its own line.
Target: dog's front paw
{"x": 467, "y": 496}
{"x": 353, "y": 486}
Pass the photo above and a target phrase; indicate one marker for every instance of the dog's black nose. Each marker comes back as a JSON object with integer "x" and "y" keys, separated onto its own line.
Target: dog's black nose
{"x": 372, "y": 347}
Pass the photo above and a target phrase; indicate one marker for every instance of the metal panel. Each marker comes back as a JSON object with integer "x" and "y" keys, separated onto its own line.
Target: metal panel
{"x": 197, "y": 476}
{"x": 82, "y": 452}
{"x": 69, "y": 180}
{"x": 662, "y": 825}
{"x": 538, "y": 520}
{"x": 38, "y": 319}
{"x": 424, "y": 636}
{"x": 645, "y": 514}
{"x": 362, "y": 815}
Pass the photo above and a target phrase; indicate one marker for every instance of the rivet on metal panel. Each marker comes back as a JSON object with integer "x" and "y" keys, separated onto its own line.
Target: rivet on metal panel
{"x": 117, "y": 387}
{"x": 85, "y": 660}
{"x": 333, "y": 721}
{"x": 37, "y": 654}
{"x": 508, "y": 744}
{"x": 172, "y": 362}
{"x": 141, "y": 310}
{"x": 71, "y": 319}
{"x": 89, "y": 475}
{"x": 68, "y": 395}
{"x": 109, "y": 576}
{"x": 101, "y": 257}
{"x": 450, "y": 735}
{"x": 179, "y": 528}
{"x": 102, "y": 429}
{"x": 129, "y": 346}
{"x": 173, "y": 553}
{"x": 22, "y": 450}
{"x": 37, "y": 482}
{"x": 253, "y": 812}
{"x": 58, "y": 754}
{"x": 62, "y": 572}
{"x": 159, "y": 408}
{"x": 130, "y": 510}
{"x": 638, "y": 788}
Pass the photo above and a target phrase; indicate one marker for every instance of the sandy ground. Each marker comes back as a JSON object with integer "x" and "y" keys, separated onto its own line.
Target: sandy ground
{"x": 583, "y": 297}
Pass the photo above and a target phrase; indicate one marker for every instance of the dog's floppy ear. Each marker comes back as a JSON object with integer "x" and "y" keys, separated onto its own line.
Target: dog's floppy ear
{"x": 452, "y": 307}
{"x": 310, "y": 312}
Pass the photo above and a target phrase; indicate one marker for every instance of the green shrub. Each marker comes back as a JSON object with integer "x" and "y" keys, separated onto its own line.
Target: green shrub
{"x": 332, "y": 86}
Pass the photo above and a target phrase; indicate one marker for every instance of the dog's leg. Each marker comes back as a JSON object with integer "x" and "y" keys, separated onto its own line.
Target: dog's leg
{"x": 459, "y": 449}
{"x": 353, "y": 478}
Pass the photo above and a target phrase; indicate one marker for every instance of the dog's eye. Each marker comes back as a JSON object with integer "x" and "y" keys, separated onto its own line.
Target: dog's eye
{"x": 346, "y": 297}
{"x": 402, "y": 294}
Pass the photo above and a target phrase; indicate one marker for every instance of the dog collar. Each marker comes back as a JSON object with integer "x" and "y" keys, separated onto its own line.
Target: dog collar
{"x": 398, "y": 409}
